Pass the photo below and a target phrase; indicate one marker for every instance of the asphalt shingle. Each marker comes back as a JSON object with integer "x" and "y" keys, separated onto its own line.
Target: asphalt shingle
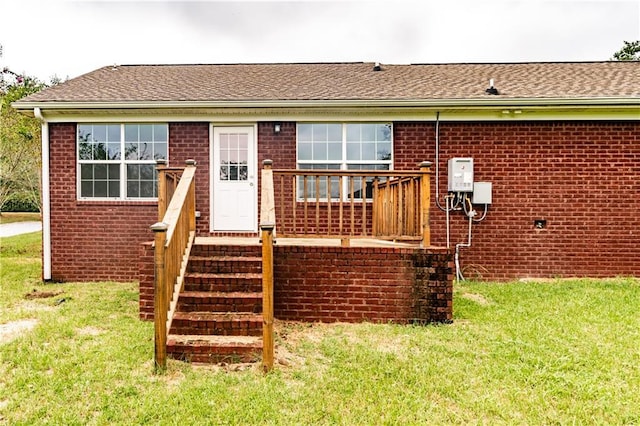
{"x": 347, "y": 81}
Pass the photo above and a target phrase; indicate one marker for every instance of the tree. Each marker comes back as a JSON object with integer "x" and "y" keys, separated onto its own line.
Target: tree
{"x": 20, "y": 158}
{"x": 629, "y": 52}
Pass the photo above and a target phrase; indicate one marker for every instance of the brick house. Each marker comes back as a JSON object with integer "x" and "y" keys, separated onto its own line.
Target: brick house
{"x": 559, "y": 144}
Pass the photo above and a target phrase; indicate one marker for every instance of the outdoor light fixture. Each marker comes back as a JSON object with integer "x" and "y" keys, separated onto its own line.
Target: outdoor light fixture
{"x": 276, "y": 128}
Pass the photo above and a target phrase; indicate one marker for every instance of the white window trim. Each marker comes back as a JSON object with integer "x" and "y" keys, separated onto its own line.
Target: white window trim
{"x": 122, "y": 165}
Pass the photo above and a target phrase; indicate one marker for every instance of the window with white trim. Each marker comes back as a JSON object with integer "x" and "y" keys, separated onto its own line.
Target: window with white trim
{"x": 342, "y": 146}
{"x": 118, "y": 161}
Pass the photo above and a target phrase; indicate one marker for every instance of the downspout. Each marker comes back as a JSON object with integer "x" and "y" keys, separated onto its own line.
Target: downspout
{"x": 46, "y": 198}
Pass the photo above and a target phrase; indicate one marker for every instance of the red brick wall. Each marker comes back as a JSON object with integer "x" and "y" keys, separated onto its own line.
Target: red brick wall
{"x": 190, "y": 141}
{"x": 91, "y": 241}
{"x": 94, "y": 241}
{"x": 362, "y": 284}
{"x": 582, "y": 177}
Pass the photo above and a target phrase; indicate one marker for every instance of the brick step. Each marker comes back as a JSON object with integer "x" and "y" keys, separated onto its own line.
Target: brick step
{"x": 220, "y": 301}
{"x": 226, "y": 250}
{"x": 225, "y": 264}
{"x": 202, "y": 281}
{"x": 218, "y": 323}
{"x": 214, "y": 349}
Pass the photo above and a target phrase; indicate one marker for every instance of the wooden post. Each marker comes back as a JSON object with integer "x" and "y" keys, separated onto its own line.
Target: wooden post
{"x": 192, "y": 199}
{"x": 267, "y": 298}
{"x": 160, "y": 302}
{"x": 161, "y": 167}
{"x": 425, "y": 202}
{"x": 267, "y": 226}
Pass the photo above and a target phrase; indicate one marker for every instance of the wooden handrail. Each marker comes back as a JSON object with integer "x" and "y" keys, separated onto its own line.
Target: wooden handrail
{"x": 397, "y": 209}
{"x": 174, "y": 236}
{"x": 267, "y": 228}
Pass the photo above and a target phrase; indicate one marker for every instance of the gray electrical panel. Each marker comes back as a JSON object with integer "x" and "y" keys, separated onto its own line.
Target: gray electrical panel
{"x": 481, "y": 193}
{"x": 460, "y": 174}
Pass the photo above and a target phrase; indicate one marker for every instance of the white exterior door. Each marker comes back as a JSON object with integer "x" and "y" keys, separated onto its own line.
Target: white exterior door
{"x": 234, "y": 197}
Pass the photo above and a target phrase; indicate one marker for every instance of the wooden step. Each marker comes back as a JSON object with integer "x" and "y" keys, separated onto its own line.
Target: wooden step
{"x": 220, "y": 301}
{"x": 214, "y": 349}
{"x": 225, "y": 264}
{"x": 201, "y": 281}
{"x": 218, "y": 323}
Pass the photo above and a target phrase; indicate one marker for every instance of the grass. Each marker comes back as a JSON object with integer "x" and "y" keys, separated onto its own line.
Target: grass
{"x": 7, "y": 217}
{"x": 564, "y": 352}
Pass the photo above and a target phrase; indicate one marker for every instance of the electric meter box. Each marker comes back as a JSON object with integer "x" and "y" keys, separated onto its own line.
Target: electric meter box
{"x": 461, "y": 174}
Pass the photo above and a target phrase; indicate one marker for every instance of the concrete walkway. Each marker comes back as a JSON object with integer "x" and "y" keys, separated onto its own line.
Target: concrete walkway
{"x": 17, "y": 228}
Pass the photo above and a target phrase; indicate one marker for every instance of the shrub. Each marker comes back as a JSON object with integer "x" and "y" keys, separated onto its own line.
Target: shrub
{"x": 19, "y": 202}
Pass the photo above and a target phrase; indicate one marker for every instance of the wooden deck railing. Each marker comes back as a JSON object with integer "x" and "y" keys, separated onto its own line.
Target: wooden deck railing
{"x": 267, "y": 229}
{"x": 345, "y": 204}
{"x": 174, "y": 236}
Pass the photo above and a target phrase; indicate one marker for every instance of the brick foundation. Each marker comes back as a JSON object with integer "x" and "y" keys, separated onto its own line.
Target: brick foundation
{"x": 347, "y": 284}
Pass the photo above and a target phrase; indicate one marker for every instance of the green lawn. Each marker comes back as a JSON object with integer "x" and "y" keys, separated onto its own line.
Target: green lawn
{"x": 562, "y": 352}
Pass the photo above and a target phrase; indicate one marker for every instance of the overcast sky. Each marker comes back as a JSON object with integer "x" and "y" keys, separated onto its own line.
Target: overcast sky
{"x": 70, "y": 38}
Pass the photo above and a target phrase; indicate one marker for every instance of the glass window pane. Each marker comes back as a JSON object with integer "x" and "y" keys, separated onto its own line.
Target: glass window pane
{"x": 147, "y": 189}
{"x": 146, "y": 132}
{"x": 243, "y": 141}
{"x": 84, "y": 132}
{"x": 320, "y": 151}
{"x": 304, "y": 151}
{"x": 244, "y": 172}
{"x": 233, "y": 172}
{"x": 145, "y": 151}
{"x": 335, "y": 151}
{"x": 160, "y": 151}
{"x": 160, "y": 133}
{"x": 243, "y": 156}
{"x": 86, "y": 171}
{"x": 100, "y": 188}
{"x": 147, "y": 172}
{"x": 368, "y": 151}
{"x": 334, "y": 132}
{"x": 114, "y": 189}
{"x": 353, "y": 151}
{"x": 133, "y": 172}
{"x": 353, "y": 132}
{"x": 133, "y": 189}
{"x": 86, "y": 188}
{"x": 368, "y": 132}
{"x": 113, "y": 151}
{"x": 114, "y": 171}
{"x": 131, "y": 133}
{"x": 384, "y": 132}
{"x": 85, "y": 151}
{"x": 319, "y": 132}
{"x": 99, "y": 133}
{"x": 383, "y": 151}
{"x": 113, "y": 133}
{"x": 100, "y": 171}
{"x": 224, "y": 172}
{"x": 131, "y": 151}
{"x": 304, "y": 132}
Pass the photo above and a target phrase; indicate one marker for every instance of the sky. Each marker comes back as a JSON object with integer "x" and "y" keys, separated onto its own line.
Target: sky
{"x": 63, "y": 38}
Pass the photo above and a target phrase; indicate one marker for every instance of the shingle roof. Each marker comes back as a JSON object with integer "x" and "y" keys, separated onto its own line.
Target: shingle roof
{"x": 346, "y": 81}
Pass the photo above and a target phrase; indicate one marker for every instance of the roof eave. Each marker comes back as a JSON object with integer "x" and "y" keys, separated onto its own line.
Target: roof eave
{"x": 448, "y": 103}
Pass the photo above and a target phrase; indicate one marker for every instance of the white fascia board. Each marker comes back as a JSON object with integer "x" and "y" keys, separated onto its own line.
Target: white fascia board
{"x": 437, "y": 103}
{"x": 404, "y": 110}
